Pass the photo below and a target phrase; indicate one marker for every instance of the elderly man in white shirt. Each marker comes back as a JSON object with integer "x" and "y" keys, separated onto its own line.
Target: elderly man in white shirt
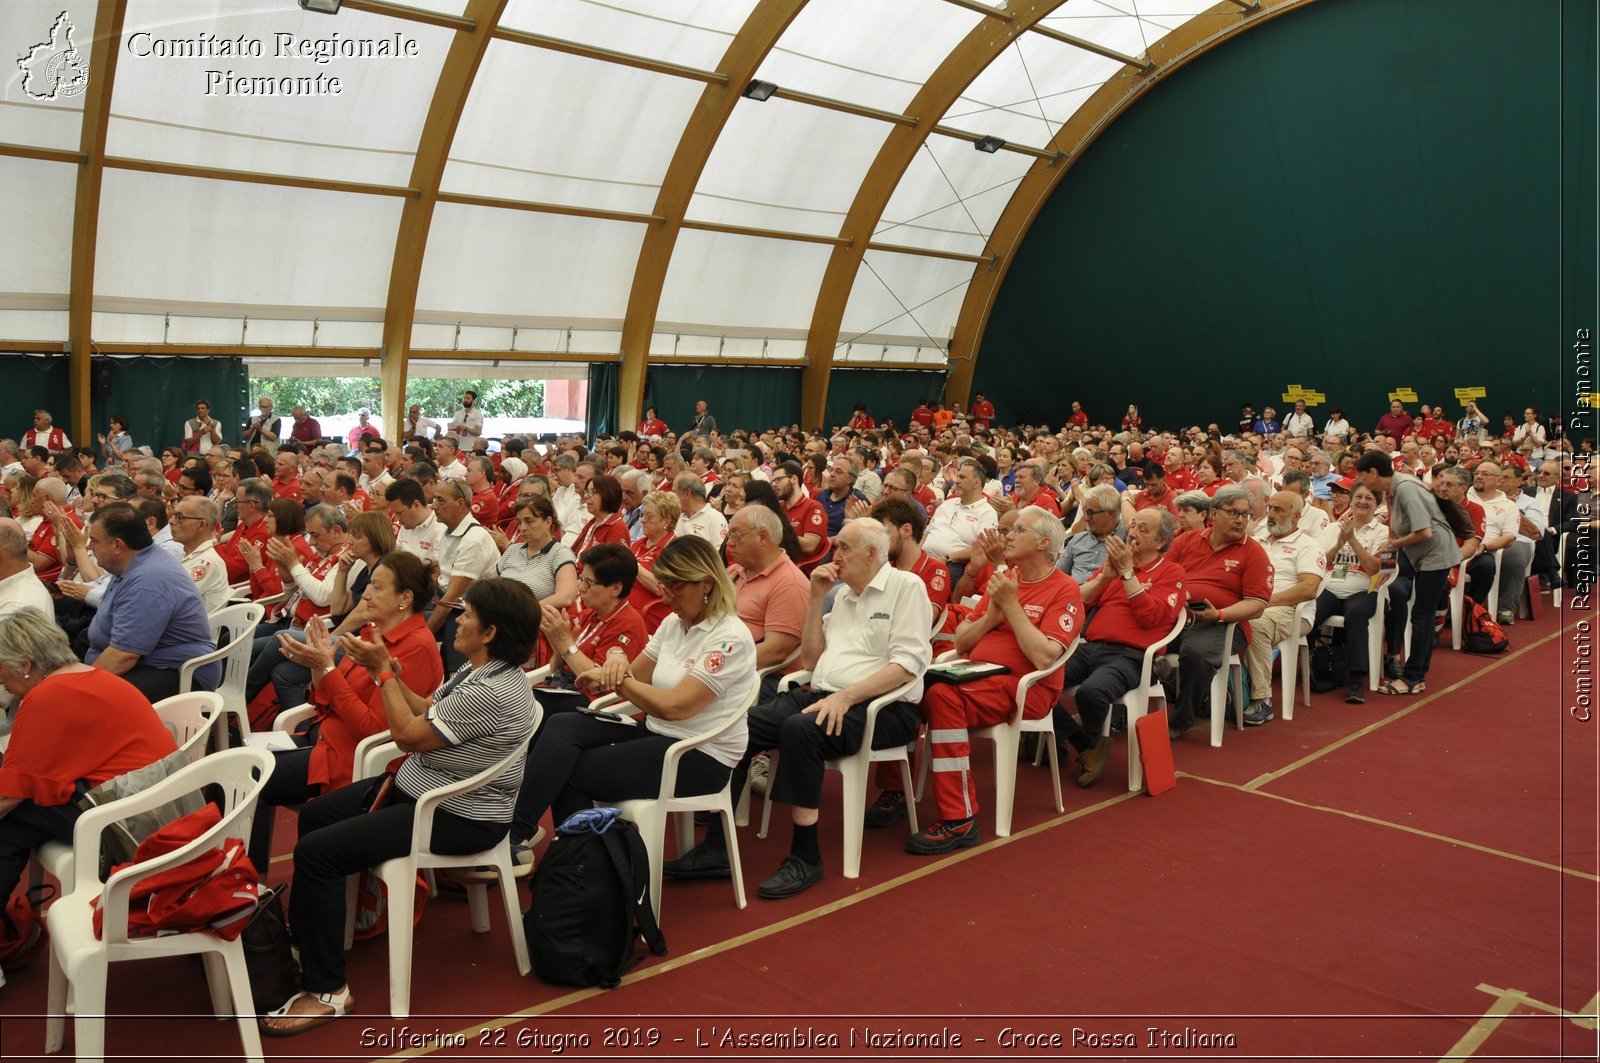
{"x": 872, "y": 641}
{"x": 466, "y": 553}
{"x": 194, "y": 529}
{"x": 698, "y": 518}
{"x": 1501, "y": 523}
{"x": 1298, "y": 565}
{"x": 19, "y": 583}
{"x": 955, "y": 525}
{"x": 1531, "y": 523}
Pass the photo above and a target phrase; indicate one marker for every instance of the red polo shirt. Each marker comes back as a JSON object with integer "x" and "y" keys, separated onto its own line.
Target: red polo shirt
{"x": 1143, "y": 619}
{"x": 1223, "y": 576}
{"x": 1054, "y": 605}
{"x": 935, "y": 576}
{"x": 807, "y": 517}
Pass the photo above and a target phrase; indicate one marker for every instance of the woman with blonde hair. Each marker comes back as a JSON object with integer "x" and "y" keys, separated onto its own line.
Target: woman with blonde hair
{"x": 658, "y": 520}
{"x": 697, "y": 670}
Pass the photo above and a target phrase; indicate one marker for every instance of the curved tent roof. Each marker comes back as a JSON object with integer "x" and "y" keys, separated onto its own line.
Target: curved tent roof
{"x": 553, "y": 178}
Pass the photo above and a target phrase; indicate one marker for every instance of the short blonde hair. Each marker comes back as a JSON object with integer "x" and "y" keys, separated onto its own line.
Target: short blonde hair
{"x": 28, "y": 637}
{"x": 664, "y": 504}
{"x": 690, "y": 559}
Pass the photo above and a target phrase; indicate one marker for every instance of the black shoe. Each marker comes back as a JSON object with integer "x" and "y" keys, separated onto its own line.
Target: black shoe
{"x": 699, "y": 862}
{"x": 945, "y": 836}
{"x": 793, "y": 876}
{"x": 1357, "y": 694}
{"x": 1392, "y": 667}
{"x": 890, "y": 806}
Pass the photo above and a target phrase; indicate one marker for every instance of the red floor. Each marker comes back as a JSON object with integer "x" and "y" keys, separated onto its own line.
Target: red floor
{"x": 1371, "y": 902}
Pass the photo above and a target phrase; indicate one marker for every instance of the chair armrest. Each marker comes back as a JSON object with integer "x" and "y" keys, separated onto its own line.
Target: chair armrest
{"x": 372, "y": 754}
{"x": 794, "y": 679}
{"x": 877, "y": 703}
{"x": 1025, "y": 684}
{"x": 422, "y": 825}
{"x": 947, "y": 655}
{"x": 761, "y": 673}
{"x": 290, "y": 718}
{"x": 540, "y": 674}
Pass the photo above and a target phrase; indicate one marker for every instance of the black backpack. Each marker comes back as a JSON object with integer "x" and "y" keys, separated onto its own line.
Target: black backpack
{"x": 1330, "y": 664}
{"x": 591, "y": 904}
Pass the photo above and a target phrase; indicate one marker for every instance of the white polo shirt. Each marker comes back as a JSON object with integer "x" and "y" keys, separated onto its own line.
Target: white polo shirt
{"x": 24, "y": 591}
{"x": 954, "y": 527}
{"x": 423, "y": 540}
{"x": 707, "y": 524}
{"x": 887, "y": 623}
{"x": 467, "y": 550}
{"x": 210, "y": 574}
{"x": 1292, "y": 557}
{"x": 720, "y": 654}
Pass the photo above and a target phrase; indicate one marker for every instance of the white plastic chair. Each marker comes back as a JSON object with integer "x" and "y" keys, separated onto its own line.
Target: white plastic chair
{"x": 188, "y": 718}
{"x": 650, "y": 814}
{"x": 1292, "y": 662}
{"x": 854, "y": 771}
{"x": 79, "y": 959}
{"x": 1135, "y": 704}
{"x": 1007, "y": 738}
{"x": 1219, "y": 690}
{"x": 1493, "y": 602}
{"x": 239, "y": 622}
{"x": 400, "y": 875}
{"x": 1375, "y": 641}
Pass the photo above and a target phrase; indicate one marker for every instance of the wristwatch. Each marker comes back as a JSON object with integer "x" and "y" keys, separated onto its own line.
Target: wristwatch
{"x": 570, "y": 650}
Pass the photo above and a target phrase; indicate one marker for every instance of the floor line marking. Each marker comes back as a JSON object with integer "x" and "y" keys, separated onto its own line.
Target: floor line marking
{"x": 1273, "y": 776}
{"x": 1397, "y": 826}
{"x": 760, "y": 933}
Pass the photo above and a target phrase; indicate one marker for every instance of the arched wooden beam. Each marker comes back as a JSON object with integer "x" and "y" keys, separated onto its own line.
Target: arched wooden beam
{"x": 960, "y": 68}
{"x": 1189, "y": 41}
{"x": 761, "y": 30}
{"x": 427, "y": 171}
{"x": 103, "y": 54}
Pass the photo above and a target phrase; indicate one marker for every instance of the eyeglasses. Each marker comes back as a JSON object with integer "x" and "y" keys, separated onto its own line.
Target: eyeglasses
{"x": 1239, "y": 514}
{"x": 185, "y": 516}
{"x": 585, "y": 582}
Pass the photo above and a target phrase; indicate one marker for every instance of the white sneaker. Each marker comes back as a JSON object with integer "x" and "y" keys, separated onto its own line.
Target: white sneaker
{"x": 759, "y": 769}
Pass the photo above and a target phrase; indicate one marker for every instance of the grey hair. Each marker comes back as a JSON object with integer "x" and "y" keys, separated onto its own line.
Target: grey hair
{"x": 29, "y": 638}
{"x": 760, "y": 518}
{"x": 13, "y": 543}
{"x": 257, "y": 490}
{"x": 690, "y": 484}
{"x": 1462, "y": 478}
{"x": 874, "y": 535}
{"x": 1047, "y": 526}
{"x": 1168, "y": 528}
{"x": 1195, "y": 500}
{"x": 1227, "y": 496}
{"x": 565, "y": 461}
{"x": 208, "y": 509}
{"x": 331, "y": 517}
{"x": 1105, "y": 496}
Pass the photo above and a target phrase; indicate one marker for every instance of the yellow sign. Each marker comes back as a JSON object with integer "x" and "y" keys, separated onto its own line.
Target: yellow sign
{"x": 1403, "y": 394}
{"x": 1466, "y": 395}
{"x": 1591, "y": 400}
{"x": 1296, "y": 393}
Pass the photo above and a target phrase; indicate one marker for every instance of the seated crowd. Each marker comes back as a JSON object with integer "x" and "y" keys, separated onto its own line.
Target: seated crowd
{"x": 752, "y": 591}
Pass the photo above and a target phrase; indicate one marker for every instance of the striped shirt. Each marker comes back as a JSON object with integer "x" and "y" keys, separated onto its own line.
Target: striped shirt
{"x": 481, "y": 715}
{"x": 537, "y": 570}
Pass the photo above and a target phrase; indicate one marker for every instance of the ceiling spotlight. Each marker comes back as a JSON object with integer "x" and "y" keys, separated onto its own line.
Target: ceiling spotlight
{"x": 759, "y": 90}
{"x": 322, "y": 7}
{"x": 989, "y": 145}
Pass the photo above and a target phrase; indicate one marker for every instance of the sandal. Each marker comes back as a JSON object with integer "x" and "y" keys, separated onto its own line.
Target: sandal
{"x": 1400, "y": 686}
{"x": 341, "y": 1002}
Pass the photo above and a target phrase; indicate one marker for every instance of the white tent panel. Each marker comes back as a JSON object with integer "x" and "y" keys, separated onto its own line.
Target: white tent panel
{"x": 692, "y": 33}
{"x": 41, "y": 103}
{"x": 836, "y": 48}
{"x": 718, "y": 281}
{"x": 33, "y": 324}
{"x": 787, "y": 166}
{"x": 541, "y": 126}
{"x": 545, "y": 269}
{"x": 37, "y": 230}
{"x": 897, "y": 298}
{"x": 311, "y": 96}
{"x": 712, "y": 348}
{"x": 1030, "y": 90}
{"x": 240, "y": 246}
{"x": 1129, "y": 26}
{"x": 865, "y": 354}
{"x": 950, "y": 196}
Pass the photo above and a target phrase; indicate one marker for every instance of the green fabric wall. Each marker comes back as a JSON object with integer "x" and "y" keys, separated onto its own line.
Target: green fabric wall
{"x": 1580, "y": 287}
{"x": 1356, "y": 197}
{"x": 34, "y": 382}
{"x": 886, "y": 392}
{"x": 738, "y": 396}
{"x": 158, "y": 394}
{"x": 602, "y": 416}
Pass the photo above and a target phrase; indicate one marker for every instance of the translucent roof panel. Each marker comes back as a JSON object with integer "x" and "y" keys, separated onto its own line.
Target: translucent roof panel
{"x": 951, "y": 196}
{"x": 1128, "y": 26}
{"x": 504, "y": 264}
{"x": 720, "y": 281}
{"x": 1029, "y": 90}
{"x": 45, "y": 76}
{"x": 274, "y": 89}
{"x": 836, "y": 48}
{"x": 905, "y": 298}
{"x": 173, "y": 243}
{"x": 788, "y": 166}
{"x": 49, "y": 189}
{"x": 693, "y": 33}
{"x": 541, "y": 126}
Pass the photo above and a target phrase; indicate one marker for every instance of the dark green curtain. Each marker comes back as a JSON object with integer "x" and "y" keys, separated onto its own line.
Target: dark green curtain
{"x": 35, "y": 382}
{"x": 158, "y": 394}
{"x": 888, "y": 393}
{"x": 738, "y": 396}
{"x": 602, "y": 415}
{"x": 1578, "y": 186}
{"x": 1342, "y": 199}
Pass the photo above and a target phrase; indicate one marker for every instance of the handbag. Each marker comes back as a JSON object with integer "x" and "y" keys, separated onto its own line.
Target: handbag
{"x": 274, "y": 974}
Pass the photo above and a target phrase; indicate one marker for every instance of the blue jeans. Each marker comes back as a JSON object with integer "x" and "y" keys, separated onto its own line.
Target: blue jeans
{"x": 269, "y": 665}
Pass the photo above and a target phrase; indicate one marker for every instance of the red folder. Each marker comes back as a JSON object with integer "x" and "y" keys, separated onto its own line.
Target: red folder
{"x": 1155, "y": 753}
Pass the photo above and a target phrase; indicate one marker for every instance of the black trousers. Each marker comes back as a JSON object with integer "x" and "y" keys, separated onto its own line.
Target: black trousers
{"x": 1358, "y": 611}
{"x": 1102, "y": 672}
{"x": 339, "y": 837}
{"x": 1432, "y": 591}
{"x": 578, "y": 759}
{"x": 1200, "y": 654}
{"x": 286, "y": 786}
{"x": 27, "y": 827}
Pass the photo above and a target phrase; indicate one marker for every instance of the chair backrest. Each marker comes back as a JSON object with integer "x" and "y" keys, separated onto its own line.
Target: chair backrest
{"x": 422, "y": 825}
{"x": 234, "y": 619}
{"x": 189, "y": 718}
{"x": 236, "y": 623}
{"x": 239, "y": 773}
{"x": 1156, "y": 647}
